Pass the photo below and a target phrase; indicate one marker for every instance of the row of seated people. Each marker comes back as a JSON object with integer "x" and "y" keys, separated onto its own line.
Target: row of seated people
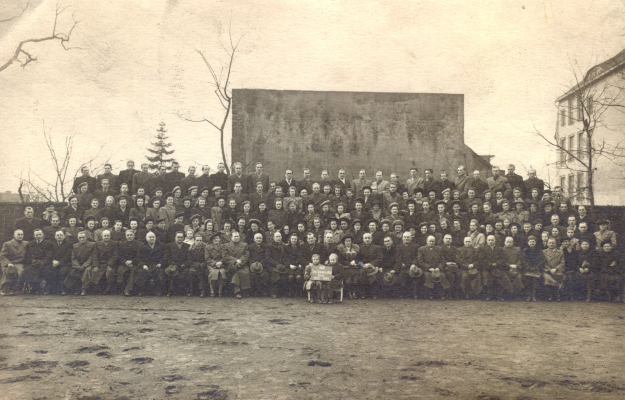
{"x": 274, "y": 263}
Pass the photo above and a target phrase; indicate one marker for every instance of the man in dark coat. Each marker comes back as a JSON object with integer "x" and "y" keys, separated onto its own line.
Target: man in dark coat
{"x": 112, "y": 178}
{"x": 105, "y": 262}
{"x": 430, "y": 260}
{"x": 236, "y": 257}
{"x": 176, "y": 255}
{"x": 12, "y": 262}
{"x": 85, "y": 177}
{"x": 370, "y": 254}
{"x": 143, "y": 179}
{"x": 28, "y": 224}
{"x": 160, "y": 179}
{"x": 203, "y": 181}
{"x": 49, "y": 232}
{"x": 277, "y": 261}
{"x": 341, "y": 181}
{"x": 37, "y": 259}
{"x": 126, "y": 175}
{"x": 306, "y": 182}
{"x": 239, "y": 176}
{"x": 516, "y": 180}
{"x": 405, "y": 259}
{"x": 311, "y": 247}
{"x": 259, "y": 276}
{"x": 151, "y": 265}
{"x": 190, "y": 180}
{"x": 174, "y": 177}
{"x": 104, "y": 192}
{"x": 82, "y": 258}
{"x": 259, "y": 176}
{"x": 287, "y": 182}
{"x": 532, "y": 182}
{"x": 494, "y": 269}
{"x": 61, "y": 263}
{"x": 127, "y": 261}
{"x": 219, "y": 178}
{"x": 452, "y": 272}
{"x": 429, "y": 183}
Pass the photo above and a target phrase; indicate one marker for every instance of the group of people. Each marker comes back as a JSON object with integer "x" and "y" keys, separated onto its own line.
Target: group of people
{"x": 141, "y": 233}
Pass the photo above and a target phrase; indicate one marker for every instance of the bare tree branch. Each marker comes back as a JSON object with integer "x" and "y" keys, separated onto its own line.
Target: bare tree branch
{"x": 64, "y": 39}
{"x": 16, "y": 16}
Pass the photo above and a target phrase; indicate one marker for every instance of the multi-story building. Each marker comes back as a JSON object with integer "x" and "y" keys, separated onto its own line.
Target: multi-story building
{"x": 596, "y": 105}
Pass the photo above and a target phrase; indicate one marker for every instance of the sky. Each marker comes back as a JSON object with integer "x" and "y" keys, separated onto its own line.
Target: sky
{"x": 136, "y": 63}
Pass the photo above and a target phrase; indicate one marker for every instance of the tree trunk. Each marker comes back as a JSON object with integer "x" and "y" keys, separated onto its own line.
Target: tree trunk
{"x": 221, "y": 131}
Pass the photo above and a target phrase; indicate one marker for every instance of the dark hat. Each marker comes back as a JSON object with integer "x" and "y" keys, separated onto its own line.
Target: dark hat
{"x": 436, "y": 275}
{"x": 356, "y": 221}
{"x": 254, "y": 221}
{"x": 333, "y": 219}
{"x": 377, "y": 224}
{"x": 385, "y": 221}
{"x": 179, "y": 214}
{"x": 359, "y": 200}
{"x": 505, "y": 201}
{"x": 324, "y": 203}
{"x": 538, "y": 221}
{"x": 440, "y": 202}
{"x": 48, "y": 204}
{"x": 212, "y": 236}
{"x": 530, "y": 202}
{"x": 398, "y": 222}
{"x": 551, "y": 203}
{"x": 347, "y": 237}
{"x": 519, "y": 202}
{"x": 366, "y": 187}
{"x": 547, "y": 191}
{"x": 216, "y": 188}
{"x": 203, "y": 189}
{"x": 159, "y": 220}
{"x": 220, "y": 197}
{"x": 191, "y": 188}
{"x": 389, "y": 279}
{"x": 344, "y": 219}
{"x": 488, "y": 191}
{"x": 121, "y": 196}
{"x": 498, "y": 191}
{"x": 89, "y": 218}
{"x": 188, "y": 198}
{"x": 421, "y": 225}
{"x": 11, "y": 272}
{"x": 585, "y": 239}
{"x": 415, "y": 271}
{"x": 371, "y": 269}
{"x": 194, "y": 216}
{"x": 175, "y": 188}
{"x": 167, "y": 195}
{"x": 102, "y": 219}
{"x": 393, "y": 204}
{"x": 149, "y": 219}
{"x": 456, "y": 202}
{"x": 606, "y": 241}
{"x": 153, "y": 199}
{"x": 516, "y": 224}
{"x": 171, "y": 270}
{"x": 310, "y": 202}
{"x": 376, "y": 201}
{"x": 256, "y": 267}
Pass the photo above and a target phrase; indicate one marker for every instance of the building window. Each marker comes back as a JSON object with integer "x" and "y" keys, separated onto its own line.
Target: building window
{"x": 562, "y": 183}
{"x": 571, "y": 147}
{"x": 571, "y": 187}
{"x": 562, "y": 150}
{"x": 571, "y": 118}
{"x": 562, "y": 116}
{"x": 580, "y": 109}
{"x": 580, "y": 145}
{"x": 581, "y": 184}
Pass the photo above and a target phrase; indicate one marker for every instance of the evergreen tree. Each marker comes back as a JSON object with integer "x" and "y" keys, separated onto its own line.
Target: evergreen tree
{"x": 160, "y": 150}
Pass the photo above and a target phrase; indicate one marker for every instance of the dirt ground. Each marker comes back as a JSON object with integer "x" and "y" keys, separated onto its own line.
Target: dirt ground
{"x": 105, "y": 347}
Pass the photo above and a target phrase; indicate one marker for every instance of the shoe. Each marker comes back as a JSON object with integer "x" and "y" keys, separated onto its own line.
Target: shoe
{"x": 63, "y": 293}
{"x": 274, "y": 296}
{"x": 330, "y": 301}
{"x": 127, "y": 294}
{"x": 203, "y": 294}
{"x": 238, "y": 296}
{"x": 141, "y": 294}
{"x": 169, "y": 294}
{"x": 212, "y": 294}
{"x": 189, "y": 294}
{"x": 84, "y": 292}
{"x": 5, "y": 294}
{"x": 488, "y": 298}
{"x": 220, "y": 295}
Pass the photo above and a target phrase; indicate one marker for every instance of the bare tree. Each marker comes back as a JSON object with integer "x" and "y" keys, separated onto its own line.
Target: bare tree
{"x": 221, "y": 81}
{"x": 58, "y": 186}
{"x": 593, "y": 96}
{"x": 24, "y": 57}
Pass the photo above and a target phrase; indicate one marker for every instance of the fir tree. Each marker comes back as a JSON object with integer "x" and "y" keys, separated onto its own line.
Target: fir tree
{"x": 160, "y": 150}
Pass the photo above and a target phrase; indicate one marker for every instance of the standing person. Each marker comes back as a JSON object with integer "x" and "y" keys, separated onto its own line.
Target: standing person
{"x": 462, "y": 182}
{"x": 176, "y": 257}
{"x": 236, "y": 257}
{"x": 287, "y": 182}
{"x": 28, "y": 224}
{"x": 174, "y": 177}
{"x": 238, "y": 176}
{"x": 532, "y": 182}
{"x": 107, "y": 174}
{"x": 190, "y": 180}
{"x": 143, "y": 179}
{"x": 341, "y": 181}
{"x": 306, "y": 182}
{"x": 414, "y": 182}
{"x": 85, "y": 178}
{"x": 127, "y": 175}
{"x": 380, "y": 184}
{"x": 219, "y": 178}
{"x": 358, "y": 184}
{"x": 259, "y": 176}
{"x": 515, "y": 180}
{"x": 12, "y": 263}
{"x": 498, "y": 182}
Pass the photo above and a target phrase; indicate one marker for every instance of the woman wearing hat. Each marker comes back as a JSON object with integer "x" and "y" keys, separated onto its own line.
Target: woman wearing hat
{"x": 72, "y": 229}
{"x": 586, "y": 277}
{"x": 197, "y": 266}
{"x": 217, "y": 212}
{"x": 90, "y": 228}
{"x": 177, "y": 192}
{"x": 278, "y": 214}
{"x": 84, "y": 196}
{"x": 48, "y": 213}
{"x": 376, "y": 211}
{"x": 310, "y": 213}
{"x": 94, "y": 212}
{"x": 254, "y": 226}
{"x": 214, "y": 255}
{"x": 604, "y": 234}
{"x": 154, "y": 208}
{"x": 348, "y": 250}
{"x": 195, "y": 225}
{"x": 295, "y": 273}
{"x": 356, "y": 231}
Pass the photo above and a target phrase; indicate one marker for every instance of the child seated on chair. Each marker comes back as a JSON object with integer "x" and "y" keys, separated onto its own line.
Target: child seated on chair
{"x": 314, "y": 288}
{"x": 336, "y": 283}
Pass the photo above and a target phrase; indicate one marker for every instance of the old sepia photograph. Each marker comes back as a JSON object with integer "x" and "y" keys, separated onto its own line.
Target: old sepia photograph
{"x": 328, "y": 199}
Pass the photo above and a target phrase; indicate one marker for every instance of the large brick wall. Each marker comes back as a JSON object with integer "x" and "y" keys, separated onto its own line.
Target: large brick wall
{"x": 352, "y": 130}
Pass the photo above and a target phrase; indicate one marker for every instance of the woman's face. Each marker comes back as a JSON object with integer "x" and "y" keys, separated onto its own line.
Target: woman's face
{"x": 209, "y": 226}
{"x": 294, "y": 239}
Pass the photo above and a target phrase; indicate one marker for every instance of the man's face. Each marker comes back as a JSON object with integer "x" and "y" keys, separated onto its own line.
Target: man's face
{"x": 82, "y": 238}
{"x": 511, "y": 169}
{"x": 38, "y": 235}
{"x": 106, "y": 236}
{"x": 85, "y": 171}
{"x": 179, "y": 238}
{"x": 555, "y": 219}
{"x": 509, "y": 242}
{"x": 28, "y": 212}
{"x": 372, "y": 226}
{"x": 378, "y": 176}
{"x": 473, "y": 226}
{"x": 583, "y": 227}
{"x": 585, "y": 245}
{"x": 175, "y": 167}
{"x": 324, "y": 175}
{"x": 237, "y": 187}
{"x": 221, "y": 167}
{"x": 447, "y": 240}
{"x": 107, "y": 169}
{"x": 130, "y": 235}
{"x": 259, "y": 168}
{"x": 162, "y": 170}
{"x": 388, "y": 242}
{"x": 430, "y": 241}
{"x": 490, "y": 240}
{"x": 532, "y": 243}
{"x": 55, "y": 221}
{"x": 191, "y": 171}
{"x": 551, "y": 243}
{"x": 59, "y": 236}
{"x": 467, "y": 242}
{"x": 406, "y": 237}
{"x": 428, "y": 174}
{"x": 144, "y": 167}
{"x": 361, "y": 174}
{"x": 443, "y": 176}
{"x": 130, "y": 165}
{"x": 327, "y": 238}
{"x": 341, "y": 174}
{"x": 277, "y": 237}
{"x": 306, "y": 174}
{"x": 441, "y": 208}
{"x": 238, "y": 169}
{"x": 531, "y": 174}
{"x": 413, "y": 173}
{"x": 151, "y": 238}
{"x": 495, "y": 172}
{"x": 462, "y": 171}
{"x": 258, "y": 238}
{"x": 426, "y": 206}
{"x": 367, "y": 238}
{"x": 393, "y": 188}
{"x": 476, "y": 174}
{"x": 236, "y": 237}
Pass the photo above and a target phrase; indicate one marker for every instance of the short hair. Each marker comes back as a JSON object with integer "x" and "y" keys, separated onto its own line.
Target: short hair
{"x": 258, "y": 163}
{"x": 28, "y": 208}
{"x": 287, "y": 171}
{"x": 237, "y": 164}
{"x": 341, "y": 170}
{"x": 378, "y": 172}
{"x": 414, "y": 169}
{"x": 145, "y": 165}
{"x": 175, "y": 163}
{"x": 495, "y": 167}
{"x": 306, "y": 169}
{"x": 430, "y": 170}
{"x": 511, "y": 165}
{"x": 108, "y": 165}
{"x": 38, "y": 230}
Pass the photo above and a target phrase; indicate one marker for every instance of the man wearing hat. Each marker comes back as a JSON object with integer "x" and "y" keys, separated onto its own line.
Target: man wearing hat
{"x": 28, "y": 223}
{"x": 91, "y": 181}
{"x": 151, "y": 265}
{"x": 259, "y": 277}
{"x": 37, "y": 259}
{"x": 176, "y": 255}
{"x": 604, "y": 234}
{"x": 12, "y": 262}
{"x": 430, "y": 260}
{"x": 236, "y": 257}
{"x": 520, "y": 214}
{"x": 493, "y": 267}
{"x": 468, "y": 260}
{"x": 370, "y": 256}
{"x": 127, "y": 261}
{"x": 406, "y": 258}
{"x": 610, "y": 268}
{"x": 83, "y": 254}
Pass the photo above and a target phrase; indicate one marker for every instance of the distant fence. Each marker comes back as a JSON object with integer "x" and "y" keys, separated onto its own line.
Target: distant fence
{"x": 9, "y": 212}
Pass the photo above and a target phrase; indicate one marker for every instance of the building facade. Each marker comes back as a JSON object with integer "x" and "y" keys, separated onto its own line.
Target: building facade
{"x": 391, "y": 132}
{"x": 595, "y": 106}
